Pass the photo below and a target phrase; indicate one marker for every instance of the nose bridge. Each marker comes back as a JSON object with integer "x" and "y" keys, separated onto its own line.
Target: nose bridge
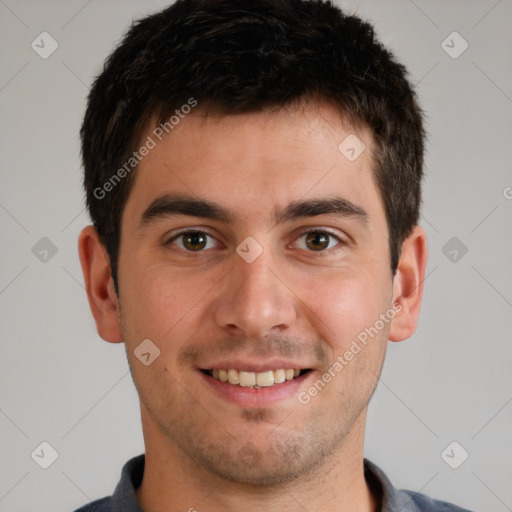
{"x": 254, "y": 300}
{"x": 256, "y": 279}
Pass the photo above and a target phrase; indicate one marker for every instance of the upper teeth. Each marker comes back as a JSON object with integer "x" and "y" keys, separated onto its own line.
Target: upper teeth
{"x": 252, "y": 379}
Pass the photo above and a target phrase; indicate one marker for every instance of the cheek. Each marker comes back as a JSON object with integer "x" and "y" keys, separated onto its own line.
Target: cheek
{"x": 348, "y": 304}
{"x": 160, "y": 306}
{"x": 161, "y": 302}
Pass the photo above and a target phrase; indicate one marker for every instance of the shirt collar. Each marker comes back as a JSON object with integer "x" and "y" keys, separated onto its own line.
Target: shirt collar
{"x": 388, "y": 497}
{"x": 124, "y": 498}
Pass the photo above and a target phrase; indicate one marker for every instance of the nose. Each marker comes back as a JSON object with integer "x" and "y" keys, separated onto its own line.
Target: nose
{"x": 254, "y": 299}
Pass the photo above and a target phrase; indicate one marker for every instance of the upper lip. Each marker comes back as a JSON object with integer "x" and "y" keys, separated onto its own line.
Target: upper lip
{"x": 254, "y": 366}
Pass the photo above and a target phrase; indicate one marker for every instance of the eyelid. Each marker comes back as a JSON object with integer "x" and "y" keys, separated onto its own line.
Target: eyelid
{"x": 168, "y": 240}
{"x": 326, "y": 252}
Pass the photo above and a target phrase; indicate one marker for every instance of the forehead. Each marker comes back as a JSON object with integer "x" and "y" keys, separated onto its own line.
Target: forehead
{"x": 256, "y": 163}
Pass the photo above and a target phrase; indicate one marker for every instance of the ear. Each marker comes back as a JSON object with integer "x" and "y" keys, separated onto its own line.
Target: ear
{"x": 408, "y": 285}
{"x": 99, "y": 285}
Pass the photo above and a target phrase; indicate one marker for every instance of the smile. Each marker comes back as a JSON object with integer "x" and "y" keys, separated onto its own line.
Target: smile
{"x": 255, "y": 380}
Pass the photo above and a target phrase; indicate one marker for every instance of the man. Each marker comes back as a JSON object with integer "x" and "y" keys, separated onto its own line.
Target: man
{"x": 253, "y": 173}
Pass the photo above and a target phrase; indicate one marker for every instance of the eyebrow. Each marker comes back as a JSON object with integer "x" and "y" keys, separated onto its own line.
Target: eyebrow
{"x": 170, "y": 205}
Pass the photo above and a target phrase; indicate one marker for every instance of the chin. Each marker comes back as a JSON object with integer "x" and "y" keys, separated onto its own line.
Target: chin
{"x": 260, "y": 474}
{"x": 276, "y": 464}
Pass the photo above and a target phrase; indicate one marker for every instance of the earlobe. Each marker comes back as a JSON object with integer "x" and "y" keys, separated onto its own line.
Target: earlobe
{"x": 101, "y": 294}
{"x": 408, "y": 285}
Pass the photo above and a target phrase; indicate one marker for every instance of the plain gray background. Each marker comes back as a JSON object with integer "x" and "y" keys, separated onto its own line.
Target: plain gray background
{"x": 62, "y": 384}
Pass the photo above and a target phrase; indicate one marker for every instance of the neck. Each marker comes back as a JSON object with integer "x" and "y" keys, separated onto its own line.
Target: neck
{"x": 172, "y": 482}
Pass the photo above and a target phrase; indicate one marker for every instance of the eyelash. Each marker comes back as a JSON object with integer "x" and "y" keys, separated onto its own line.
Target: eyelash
{"x": 322, "y": 253}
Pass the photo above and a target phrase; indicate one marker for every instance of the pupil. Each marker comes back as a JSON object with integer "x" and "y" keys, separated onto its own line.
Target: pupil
{"x": 318, "y": 240}
{"x": 193, "y": 240}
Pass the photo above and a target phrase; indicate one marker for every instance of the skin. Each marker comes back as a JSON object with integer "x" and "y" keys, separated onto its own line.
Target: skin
{"x": 293, "y": 301}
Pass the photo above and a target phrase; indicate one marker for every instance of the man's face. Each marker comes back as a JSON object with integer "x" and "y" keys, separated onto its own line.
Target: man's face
{"x": 198, "y": 287}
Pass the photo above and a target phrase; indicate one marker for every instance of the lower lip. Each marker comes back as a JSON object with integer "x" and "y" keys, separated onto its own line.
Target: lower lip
{"x": 255, "y": 397}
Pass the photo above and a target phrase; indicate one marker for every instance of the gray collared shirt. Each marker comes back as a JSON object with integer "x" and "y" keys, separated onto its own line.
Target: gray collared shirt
{"x": 390, "y": 499}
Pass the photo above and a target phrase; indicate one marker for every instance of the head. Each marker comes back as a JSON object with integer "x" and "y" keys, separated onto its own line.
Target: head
{"x": 230, "y": 117}
{"x": 231, "y": 60}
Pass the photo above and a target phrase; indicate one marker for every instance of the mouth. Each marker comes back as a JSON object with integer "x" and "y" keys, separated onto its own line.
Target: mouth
{"x": 256, "y": 380}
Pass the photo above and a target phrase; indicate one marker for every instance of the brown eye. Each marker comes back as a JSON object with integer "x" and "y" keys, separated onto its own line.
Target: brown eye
{"x": 317, "y": 241}
{"x": 192, "y": 241}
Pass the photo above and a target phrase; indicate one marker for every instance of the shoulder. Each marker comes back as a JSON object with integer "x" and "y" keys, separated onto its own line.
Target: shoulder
{"x": 124, "y": 497}
{"x": 424, "y": 503}
{"x": 392, "y": 499}
{"x": 101, "y": 505}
